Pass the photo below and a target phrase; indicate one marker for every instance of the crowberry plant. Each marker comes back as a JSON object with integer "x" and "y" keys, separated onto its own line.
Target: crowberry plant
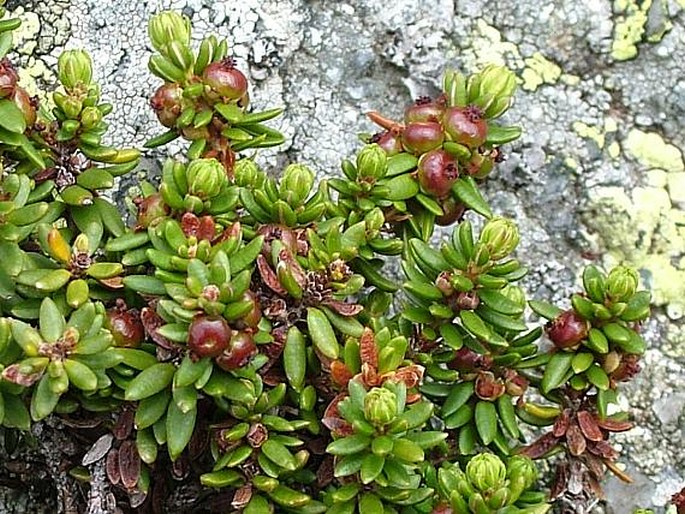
{"x": 242, "y": 333}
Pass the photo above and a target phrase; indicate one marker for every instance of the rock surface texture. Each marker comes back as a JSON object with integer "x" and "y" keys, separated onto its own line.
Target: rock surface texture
{"x": 598, "y": 174}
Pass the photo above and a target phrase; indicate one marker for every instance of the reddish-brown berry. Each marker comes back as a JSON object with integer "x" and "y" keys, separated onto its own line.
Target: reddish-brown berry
{"x": 167, "y": 103}
{"x": 208, "y": 336}
{"x": 437, "y": 172}
{"x": 466, "y": 126}
{"x": 567, "y": 330}
{"x": 225, "y": 79}
{"x": 388, "y": 141}
{"x": 424, "y": 109}
{"x": 422, "y": 136}
{"x": 125, "y": 326}
{"x": 239, "y": 352}
{"x": 252, "y": 318}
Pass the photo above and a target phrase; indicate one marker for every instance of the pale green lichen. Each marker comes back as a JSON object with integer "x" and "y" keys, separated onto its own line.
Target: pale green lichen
{"x": 539, "y": 70}
{"x": 629, "y": 27}
{"x": 589, "y": 132}
{"x": 488, "y": 46}
{"x": 650, "y": 150}
{"x": 643, "y": 230}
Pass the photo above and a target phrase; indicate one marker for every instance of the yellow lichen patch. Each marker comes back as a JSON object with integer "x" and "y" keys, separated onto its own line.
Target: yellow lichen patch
{"x": 614, "y": 150}
{"x": 629, "y": 27}
{"x": 646, "y": 231}
{"x": 539, "y": 70}
{"x": 652, "y": 151}
{"x": 589, "y": 132}
{"x": 489, "y": 47}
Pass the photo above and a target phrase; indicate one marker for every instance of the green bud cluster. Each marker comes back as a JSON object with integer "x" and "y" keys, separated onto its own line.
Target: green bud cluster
{"x": 491, "y": 485}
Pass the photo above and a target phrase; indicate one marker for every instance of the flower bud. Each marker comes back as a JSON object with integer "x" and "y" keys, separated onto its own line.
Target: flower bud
{"x": 169, "y": 26}
{"x": 72, "y": 107}
{"x": 621, "y": 283}
{"x": 380, "y": 406}
{"x": 372, "y": 162}
{"x": 296, "y": 184}
{"x": 500, "y": 236}
{"x": 443, "y": 283}
{"x": 522, "y": 467}
{"x": 206, "y": 178}
{"x": 248, "y": 174}
{"x": 486, "y": 472}
{"x": 492, "y": 89}
{"x": 74, "y": 67}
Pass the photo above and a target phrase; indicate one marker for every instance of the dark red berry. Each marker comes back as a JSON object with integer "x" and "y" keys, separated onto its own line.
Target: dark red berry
{"x": 388, "y": 141}
{"x": 225, "y": 79}
{"x": 422, "y": 136}
{"x": 167, "y": 103}
{"x": 567, "y": 330}
{"x": 8, "y": 78}
{"x": 466, "y": 126}
{"x": 453, "y": 212}
{"x": 151, "y": 209}
{"x": 467, "y": 360}
{"x": 437, "y": 172}
{"x": 125, "y": 326}
{"x": 239, "y": 352}
{"x": 208, "y": 336}
{"x": 424, "y": 109}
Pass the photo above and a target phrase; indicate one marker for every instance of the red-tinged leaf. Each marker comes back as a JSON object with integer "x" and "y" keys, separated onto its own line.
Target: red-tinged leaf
{"x": 588, "y": 425}
{"x": 594, "y": 464}
{"x": 614, "y": 425}
{"x": 604, "y": 450}
{"x": 342, "y": 308}
{"x": 338, "y": 426}
{"x": 112, "y": 467}
{"x": 112, "y": 283}
{"x": 129, "y": 464}
{"x": 368, "y": 351}
{"x": 340, "y": 374}
{"x": 124, "y": 425}
{"x": 269, "y": 277}
{"x": 562, "y": 423}
{"x": 541, "y": 446}
{"x": 411, "y": 375}
{"x": 575, "y": 440}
